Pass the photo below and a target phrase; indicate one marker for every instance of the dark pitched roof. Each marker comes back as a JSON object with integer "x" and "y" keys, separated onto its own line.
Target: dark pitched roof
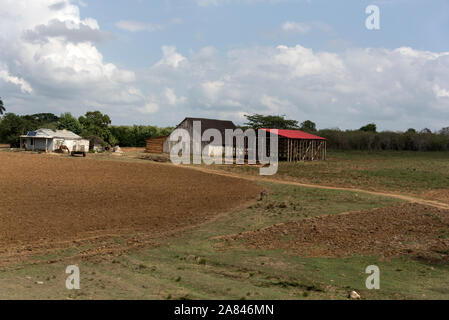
{"x": 220, "y": 125}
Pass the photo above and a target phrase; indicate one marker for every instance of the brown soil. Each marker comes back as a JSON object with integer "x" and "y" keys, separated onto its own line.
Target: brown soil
{"x": 440, "y": 195}
{"x": 129, "y": 149}
{"x": 406, "y": 229}
{"x": 47, "y": 200}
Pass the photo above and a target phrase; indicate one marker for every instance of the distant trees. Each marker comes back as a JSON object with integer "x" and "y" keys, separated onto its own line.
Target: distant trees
{"x": 136, "y": 136}
{"x": 12, "y": 127}
{"x": 445, "y": 131}
{"x": 94, "y": 126}
{"x": 410, "y": 140}
{"x": 308, "y": 126}
{"x": 69, "y": 122}
{"x": 2, "y": 107}
{"x": 258, "y": 121}
{"x": 372, "y": 127}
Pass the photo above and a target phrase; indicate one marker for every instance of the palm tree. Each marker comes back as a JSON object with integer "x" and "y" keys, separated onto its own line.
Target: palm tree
{"x": 2, "y": 108}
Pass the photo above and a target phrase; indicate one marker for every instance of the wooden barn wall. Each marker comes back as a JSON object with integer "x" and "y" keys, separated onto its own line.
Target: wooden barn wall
{"x": 156, "y": 145}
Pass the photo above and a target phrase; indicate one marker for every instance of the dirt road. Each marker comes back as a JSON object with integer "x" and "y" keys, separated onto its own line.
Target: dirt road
{"x": 408, "y": 198}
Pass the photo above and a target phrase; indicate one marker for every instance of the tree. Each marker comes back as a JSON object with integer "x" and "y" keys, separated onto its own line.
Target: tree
{"x": 97, "y": 124}
{"x": 2, "y": 107}
{"x": 372, "y": 127}
{"x": 411, "y": 131}
{"x": 445, "y": 131}
{"x": 258, "y": 121}
{"x": 69, "y": 122}
{"x": 41, "y": 120}
{"x": 12, "y": 127}
{"x": 308, "y": 126}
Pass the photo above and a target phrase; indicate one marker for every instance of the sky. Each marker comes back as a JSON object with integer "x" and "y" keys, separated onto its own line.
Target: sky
{"x": 157, "y": 62}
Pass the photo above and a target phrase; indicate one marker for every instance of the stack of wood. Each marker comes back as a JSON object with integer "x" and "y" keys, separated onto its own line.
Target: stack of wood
{"x": 155, "y": 145}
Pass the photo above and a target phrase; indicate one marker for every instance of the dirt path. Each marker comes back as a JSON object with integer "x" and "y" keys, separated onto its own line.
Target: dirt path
{"x": 407, "y": 198}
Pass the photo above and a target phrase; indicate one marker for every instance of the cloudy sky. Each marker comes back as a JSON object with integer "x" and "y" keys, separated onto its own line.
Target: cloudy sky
{"x": 156, "y": 62}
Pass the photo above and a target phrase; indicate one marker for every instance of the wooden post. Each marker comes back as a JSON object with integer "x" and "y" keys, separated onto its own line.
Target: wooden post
{"x": 325, "y": 148}
{"x": 296, "y": 150}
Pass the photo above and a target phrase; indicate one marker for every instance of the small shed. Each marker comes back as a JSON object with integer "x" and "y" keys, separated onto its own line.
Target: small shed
{"x": 49, "y": 140}
{"x": 296, "y": 145}
{"x": 156, "y": 145}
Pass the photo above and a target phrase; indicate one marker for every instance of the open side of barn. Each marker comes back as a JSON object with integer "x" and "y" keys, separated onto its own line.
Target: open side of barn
{"x": 296, "y": 145}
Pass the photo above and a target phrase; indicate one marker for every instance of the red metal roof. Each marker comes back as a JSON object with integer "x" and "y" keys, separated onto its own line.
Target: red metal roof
{"x": 295, "y": 134}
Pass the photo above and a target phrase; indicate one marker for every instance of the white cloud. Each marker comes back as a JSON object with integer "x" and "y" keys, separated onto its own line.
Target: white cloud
{"x": 172, "y": 99}
{"x": 297, "y": 27}
{"x": 170, "y": 57}
{"x": 149, "y": 108}
{"x": 440, "y": 92}
{"x": 24, "y": 86}
{"x": 49, "y": 54}
{"x": 207, "y": 3}
{"x": 136, "y": 26}
{"x": 396, "y": 88}
{"x": 274, "y": 104}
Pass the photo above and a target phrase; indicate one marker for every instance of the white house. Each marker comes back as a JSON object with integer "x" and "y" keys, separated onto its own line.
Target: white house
{"x": 49, "y": 140}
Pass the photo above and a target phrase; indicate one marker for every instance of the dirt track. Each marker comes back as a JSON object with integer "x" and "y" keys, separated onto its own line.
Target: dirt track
{"x": 406, "y": 229}
{"x": 427, "y": 199}
{"x": 46, "y": 199}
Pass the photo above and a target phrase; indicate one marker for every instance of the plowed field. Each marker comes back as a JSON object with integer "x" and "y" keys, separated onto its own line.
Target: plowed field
{"x": 406, "y": 229}
{"x": 48, "y": 199}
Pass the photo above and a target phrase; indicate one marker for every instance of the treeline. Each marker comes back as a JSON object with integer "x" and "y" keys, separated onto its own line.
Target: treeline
{"x": 93, "y": 126}
{"x": 366, "y": 138}
{"x": 400, "y": 141}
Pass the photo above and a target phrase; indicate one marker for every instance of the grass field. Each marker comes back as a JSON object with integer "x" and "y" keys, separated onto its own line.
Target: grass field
{"x": 213, "y": 259}
{"x": 404, "y": 172}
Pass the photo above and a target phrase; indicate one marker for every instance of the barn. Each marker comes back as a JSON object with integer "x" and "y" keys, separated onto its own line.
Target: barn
{"x": 296, "y": 145}
{"x": 49, "y": 140}
{"x": 163, "y": 144}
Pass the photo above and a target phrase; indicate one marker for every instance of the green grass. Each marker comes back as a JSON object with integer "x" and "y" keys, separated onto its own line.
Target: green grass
{"x": 192, "y": 266}
{"x": 405, "y": 172}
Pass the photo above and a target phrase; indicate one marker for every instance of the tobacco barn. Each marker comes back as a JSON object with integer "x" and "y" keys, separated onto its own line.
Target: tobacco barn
{"x": 296, "y": 145}
{"x": 163, "y": 144}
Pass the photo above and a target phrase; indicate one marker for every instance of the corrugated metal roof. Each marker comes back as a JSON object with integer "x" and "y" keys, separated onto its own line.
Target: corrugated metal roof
{"x": 49, "y": 134}
{"x": 296, "y": 134}
{"x": 206, "y": 124}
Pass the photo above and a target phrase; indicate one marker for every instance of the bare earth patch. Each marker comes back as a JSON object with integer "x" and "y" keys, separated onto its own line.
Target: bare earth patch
{"x": 406, "y": 229}
{"x": 439, "y": 195}
{"x": 47, "y": 200}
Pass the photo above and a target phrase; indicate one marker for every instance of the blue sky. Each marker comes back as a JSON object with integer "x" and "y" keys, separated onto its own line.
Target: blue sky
{"x": 421, "y": 24}
{"x": 156, "y": 62}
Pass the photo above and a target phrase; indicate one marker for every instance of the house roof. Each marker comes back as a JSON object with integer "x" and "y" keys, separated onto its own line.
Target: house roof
{"x": 220, "y": 125}
{"x": 295, "y": 134}
{"x": 50, "y": 134}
